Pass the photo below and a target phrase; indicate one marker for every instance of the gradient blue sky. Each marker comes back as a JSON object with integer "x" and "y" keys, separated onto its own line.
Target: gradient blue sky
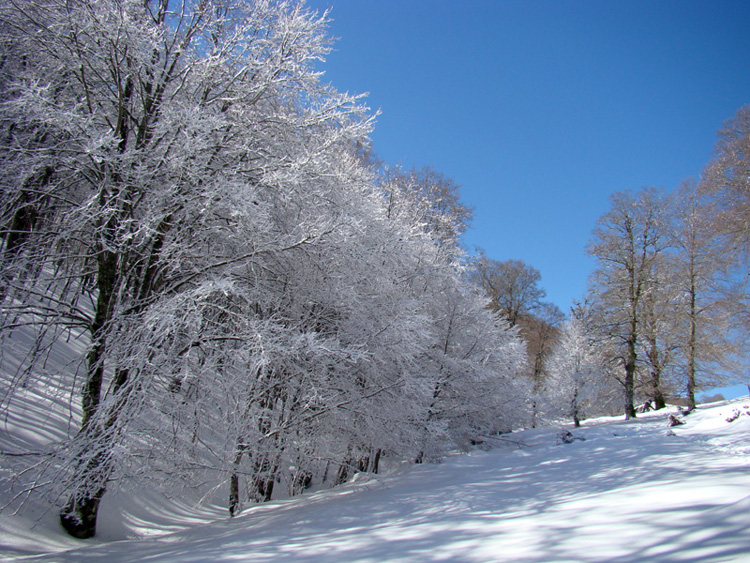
{"x": 542, "y": 109}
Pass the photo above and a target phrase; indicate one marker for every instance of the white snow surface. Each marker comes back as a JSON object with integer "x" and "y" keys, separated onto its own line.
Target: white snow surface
{"x": 623, "y": 491}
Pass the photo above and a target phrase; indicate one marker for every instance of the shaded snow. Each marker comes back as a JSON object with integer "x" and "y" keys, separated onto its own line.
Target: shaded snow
{"x": 630, "y": 491}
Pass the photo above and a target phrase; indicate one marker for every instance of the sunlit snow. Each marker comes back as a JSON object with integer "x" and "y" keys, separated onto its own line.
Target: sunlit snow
{"x": 628, "y": 491}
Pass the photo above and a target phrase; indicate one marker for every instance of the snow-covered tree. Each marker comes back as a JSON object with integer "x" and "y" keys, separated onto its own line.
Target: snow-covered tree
{"x": 180, "y": 187}
{"x": 474, "y": 357}
{"x": 576, "y": 372}
{"x": 431, "y": 200}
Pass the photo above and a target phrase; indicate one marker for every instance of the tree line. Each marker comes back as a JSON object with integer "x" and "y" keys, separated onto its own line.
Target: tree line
{"x": 264, "y": 307}
{"x": 665, "y": 314}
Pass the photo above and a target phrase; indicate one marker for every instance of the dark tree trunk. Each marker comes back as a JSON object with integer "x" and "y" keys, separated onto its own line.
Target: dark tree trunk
{"x": 656, "y": 369}
{"x": 300, "y": 481}
{"x": 234, "y": 481}
{"x": 343, "y": 472}
{"x": 657, "y": 395}
{"x": 363, "y": 464}
{"x": 630, "y": 381}
{"x": 660, "y": 401}
{"x": 78, "y": 518}
{"x": 691, "y": 368}
{"x": 234, "y": 494}
{"x": 264, "y": 479}
{"x": 79, "y": 515}
{"x": 375, "y": 467}
{"x": 21, "y": 226}
{"x": 264, "y": 488}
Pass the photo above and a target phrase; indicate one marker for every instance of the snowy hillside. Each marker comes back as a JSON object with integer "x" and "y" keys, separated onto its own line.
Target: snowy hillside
{"x": 621, "y": 491}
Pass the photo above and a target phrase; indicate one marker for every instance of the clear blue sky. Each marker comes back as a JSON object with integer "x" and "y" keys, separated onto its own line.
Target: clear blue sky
{"x": 542, "y": 109}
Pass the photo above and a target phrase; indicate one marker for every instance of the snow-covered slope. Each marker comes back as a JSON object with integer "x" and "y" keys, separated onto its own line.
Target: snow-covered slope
{"x": 624, "y": 491}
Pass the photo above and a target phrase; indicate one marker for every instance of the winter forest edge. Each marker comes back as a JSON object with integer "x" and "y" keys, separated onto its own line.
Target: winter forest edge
{"x": 223, "y": 291}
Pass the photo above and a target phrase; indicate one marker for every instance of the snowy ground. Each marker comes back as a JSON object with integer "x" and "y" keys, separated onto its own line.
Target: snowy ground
{"x": 630, "y": 491}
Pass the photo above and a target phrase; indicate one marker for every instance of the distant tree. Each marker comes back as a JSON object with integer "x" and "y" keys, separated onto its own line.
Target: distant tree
{"x": 626, "y": 242}
{"x": 540, "y": 332}
{"x": 660, "y": 339}
{"x": 706, "y": 301}
{"x": 713, "y": 398}
{"x": 512, "y": 286}
{"x": 575, "y": 369}
{"x": 727, "y": 180}
{"x": 577, "y": 384}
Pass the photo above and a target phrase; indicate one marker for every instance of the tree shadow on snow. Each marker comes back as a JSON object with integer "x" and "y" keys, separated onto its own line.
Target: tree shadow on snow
{"x": 626, "y": 493}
